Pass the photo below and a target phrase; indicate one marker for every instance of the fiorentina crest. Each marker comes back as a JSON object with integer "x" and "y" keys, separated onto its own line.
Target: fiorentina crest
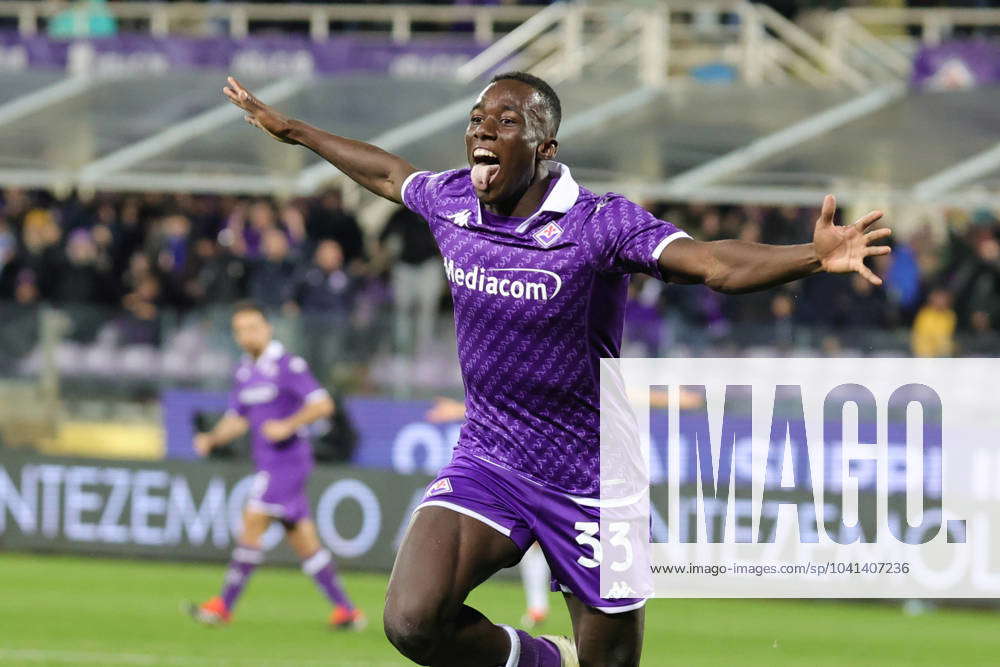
{"x": 548, "y": 234}
{"x": 438, "y": 487}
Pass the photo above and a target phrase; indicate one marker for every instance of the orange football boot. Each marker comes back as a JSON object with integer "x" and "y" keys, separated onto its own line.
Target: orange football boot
{"x": 212, "y": 612}
{"x": 342, "y": 618}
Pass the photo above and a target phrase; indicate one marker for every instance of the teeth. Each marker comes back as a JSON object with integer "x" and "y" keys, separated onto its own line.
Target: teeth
{"x": 482, "y": 152}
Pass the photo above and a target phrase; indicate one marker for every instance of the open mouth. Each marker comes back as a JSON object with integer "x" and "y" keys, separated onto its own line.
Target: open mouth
{"x": 485, "y": 167}
{"x": 484, "y": 156}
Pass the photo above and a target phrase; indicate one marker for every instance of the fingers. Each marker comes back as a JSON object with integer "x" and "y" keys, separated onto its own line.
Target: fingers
{"x": 878, "y": 235}
{"x": 234, "y": 97}
{"x": 868, "y": 220}
{"x": 867, "y": 274}
{"x": 237, "y": 94}
{"x": 242, "y": 92}
{"x": 236, "y": 85}
{"x": 826, "y": 213}
{"x": 877, "y": 250}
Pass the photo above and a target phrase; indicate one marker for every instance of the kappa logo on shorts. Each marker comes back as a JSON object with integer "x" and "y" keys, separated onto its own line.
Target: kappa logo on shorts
{"x": 443, "y": 485}
{"x": 620, "y": 590}
{"x": 548, "y": 234}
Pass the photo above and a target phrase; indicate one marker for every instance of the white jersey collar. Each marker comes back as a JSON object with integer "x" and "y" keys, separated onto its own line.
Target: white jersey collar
{"x": 563, "y": 194}
{"x": 271, "y": 353}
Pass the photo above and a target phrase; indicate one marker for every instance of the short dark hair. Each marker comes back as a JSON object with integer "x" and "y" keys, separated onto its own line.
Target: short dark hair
{"x": 249, "y": 307}
{"x": 552, "y": 103}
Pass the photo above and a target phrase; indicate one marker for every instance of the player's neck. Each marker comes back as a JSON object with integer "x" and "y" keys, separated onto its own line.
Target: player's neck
{"x": 528, "y": 201}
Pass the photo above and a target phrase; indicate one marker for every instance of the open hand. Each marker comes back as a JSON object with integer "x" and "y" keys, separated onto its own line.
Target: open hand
{"x": 259, "y": 114}
{"x": 843, "y": 249}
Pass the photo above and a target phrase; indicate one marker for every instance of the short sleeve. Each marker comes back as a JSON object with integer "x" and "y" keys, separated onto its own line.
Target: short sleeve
{"x": 415, "y": 192}
{"x": 300, "y": 381}
{"x": 633, "y": 238}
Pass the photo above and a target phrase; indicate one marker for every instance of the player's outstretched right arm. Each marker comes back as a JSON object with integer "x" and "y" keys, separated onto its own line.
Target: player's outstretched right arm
{"x": 371, "y": 167}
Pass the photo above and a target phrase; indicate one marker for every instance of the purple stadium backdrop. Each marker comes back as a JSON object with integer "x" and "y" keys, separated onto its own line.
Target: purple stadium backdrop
{"x": 956, "y": 65}
{"x": 262, "y": 56}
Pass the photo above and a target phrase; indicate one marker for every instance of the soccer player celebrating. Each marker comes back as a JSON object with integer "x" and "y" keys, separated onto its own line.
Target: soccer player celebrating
{"x": 275, "y": 397}
{"x": 539, "y": 270}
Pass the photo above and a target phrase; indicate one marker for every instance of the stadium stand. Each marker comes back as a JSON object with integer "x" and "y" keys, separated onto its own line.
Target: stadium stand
{"x": 136, "y": 205}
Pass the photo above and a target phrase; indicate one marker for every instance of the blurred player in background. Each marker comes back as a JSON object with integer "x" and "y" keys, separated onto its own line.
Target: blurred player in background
{"x": 539, "y": 271}
{"x": 275, "y": 397}
{"x": 535, "y": 573}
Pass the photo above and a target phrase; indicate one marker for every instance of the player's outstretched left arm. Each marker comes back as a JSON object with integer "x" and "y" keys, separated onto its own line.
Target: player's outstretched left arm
{"x": 369, "y": 166}
{"x": 734, "y": 266}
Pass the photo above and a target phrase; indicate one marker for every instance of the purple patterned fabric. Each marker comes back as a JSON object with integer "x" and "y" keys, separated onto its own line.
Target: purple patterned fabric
{"x": 274, "y": 386}
{"x": 528, "y": 512}
{"x": 536, "y": 307}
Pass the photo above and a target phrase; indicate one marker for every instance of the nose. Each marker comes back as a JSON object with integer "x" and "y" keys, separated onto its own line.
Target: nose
{"x": 486, "y": 129}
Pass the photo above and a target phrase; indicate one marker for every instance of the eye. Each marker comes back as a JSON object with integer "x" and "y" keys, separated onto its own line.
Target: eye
{"x": 476, "y": 119}
{"x": 508, "y": 121}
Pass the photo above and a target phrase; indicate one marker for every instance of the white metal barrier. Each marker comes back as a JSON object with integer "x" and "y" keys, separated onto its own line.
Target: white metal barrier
{"x": 656, "y": 45}
{"x": 929, "y": 25}
{"x": 659, "y": 41}
{"x": 163, "y": 18}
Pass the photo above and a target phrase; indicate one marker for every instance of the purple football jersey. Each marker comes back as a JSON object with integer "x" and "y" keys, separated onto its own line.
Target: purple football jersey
{"x": 537, "y": 305}
{"x": 274, "y": 386}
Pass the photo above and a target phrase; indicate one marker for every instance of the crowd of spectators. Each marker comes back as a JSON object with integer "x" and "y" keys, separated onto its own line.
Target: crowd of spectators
{"x": 130, "y": 258}
{"x": 941, "y": 294}
{"x": 141, "y": 254}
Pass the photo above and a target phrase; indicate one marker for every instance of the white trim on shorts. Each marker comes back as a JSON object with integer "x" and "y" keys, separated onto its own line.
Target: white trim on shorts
{"x": 622, "y": 610}
{"x": 607, "y": 610}
{"x": 271, "y": 509}
{"x": 466, "y": 511}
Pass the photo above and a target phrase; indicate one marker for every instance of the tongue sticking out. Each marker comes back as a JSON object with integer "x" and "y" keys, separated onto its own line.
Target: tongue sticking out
{"x": 483, "y": 175}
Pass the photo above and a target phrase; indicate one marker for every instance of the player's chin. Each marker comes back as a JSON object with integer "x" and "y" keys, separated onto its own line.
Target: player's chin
{"x": 488, "y": 196}
{"x": 498, "y": 191}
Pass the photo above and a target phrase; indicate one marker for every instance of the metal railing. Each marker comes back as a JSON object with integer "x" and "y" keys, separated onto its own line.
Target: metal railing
{"x": 398, "y": 21}
{"x": 928, "y": 25}
{"x": 850, "y": 41}
{"x": 655, "y": 46}
{"x": 566, "y": 40}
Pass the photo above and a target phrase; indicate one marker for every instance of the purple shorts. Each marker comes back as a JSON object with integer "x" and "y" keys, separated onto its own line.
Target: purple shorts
{"x": 526, "y": 512}
{"x": 281, "y": 493}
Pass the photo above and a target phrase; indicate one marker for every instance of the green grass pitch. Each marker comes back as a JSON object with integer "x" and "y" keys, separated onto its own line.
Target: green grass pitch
{"x": 79, "y": 611}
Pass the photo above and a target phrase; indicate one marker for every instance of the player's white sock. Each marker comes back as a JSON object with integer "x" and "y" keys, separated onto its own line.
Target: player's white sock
{"x": 535, "y": 576}
{"x": 515, "y": 646}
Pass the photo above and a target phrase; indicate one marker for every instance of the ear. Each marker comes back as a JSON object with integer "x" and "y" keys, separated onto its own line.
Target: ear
{"x": 548, "y": 148}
